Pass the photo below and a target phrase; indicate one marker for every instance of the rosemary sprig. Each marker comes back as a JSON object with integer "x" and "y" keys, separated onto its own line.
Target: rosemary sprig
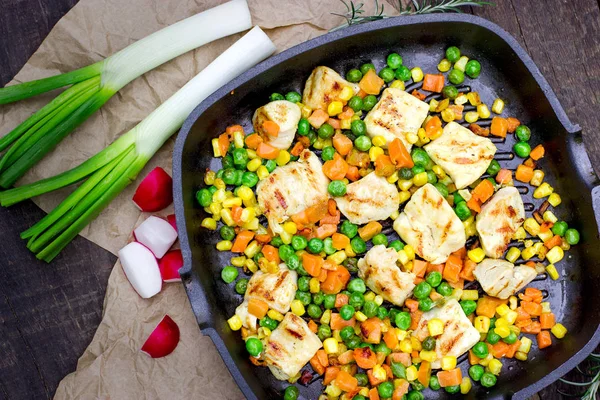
{"x": 355, "y": 13}
{"x": 593, "y": 385}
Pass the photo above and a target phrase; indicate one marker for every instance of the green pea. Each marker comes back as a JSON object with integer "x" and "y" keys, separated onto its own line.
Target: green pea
{"x": 276, "y": 241}
{"x": 276, "y": 96}
{"x": 357, "y": 285}
{"x": 480, "y": 350}
{"x": 315, "y": 245}
{"x": 422, "y": 290}
{"x": 403, "y": 73}
{"x": 358, "y": 245}
{"x": 434, "y": 279}
{"x": 385, "y": 389}
{"x": 299, "y": 242}
{"x": 452, "y": 54}
{"x": 347, "y": 312}
{"x": 398, "y": 370}
{"x": 431, "y": 177}
{"x": 270, "y": 165}
{"x": 254, "y": 346}
{"x": 511, "y": 338}
{"x": 405, "y": 173}
{"x": 304, "y": 283}
{"x": 303, "y": 127}
{"x": 240, "y": 158}
{"x": 473, "y": 69}
{"x": 291, "y": 393}
{"x": 369, "y": 102}
{"x": 355, "y": 103}
{"x": 354, "y": 75}
{"x": 356, "y": 300}
{"x": 227, "y": 232}
{"x": 572, "y": 236}
{"x": 241, "y": 286}
{"x": 329, "y": 302}
{"x": 456, "y": 76}
{"x": 382, "y": 312}
{"x": 312, "y": 137}
{"x": 249, "y": 179}
{"x": 258, "y": 256}
{"x": 358, "y": 127}
{"x": 294, "y": 97}
{"x": 434, "y": 383}
{"x": 396, "y": 245}
{"x": 493, "y": 168}
{"x": 219, "y": 174}
{"x": 394, "y": 60}
{"x": 560, "y": 228}
{"x": 492, "y": 337}
{"x": 523, "y": 133}
{"x": 488, "y": 380}
{"x": 304, "y": 297}
{"x": 522, "y": 149}
{"x": 204, "y": 197}
{"x": 443, "y": 189}
{"x": 450, "y": 92}
{"x": 366, "y": 67}
{"x": 324, "y": 332}
{"x": 429, "y": 343}
{"x": 318, "y": 298}
{"x": 314, "y": 311}
{"x": 414, "y": 395}
{"x": 229, "y": 176}
{"x": 351, "y": 265}
{"x": 337, "y": 188}
{"x": 285, "y": 251}
{"x": 370, "y": 308}
{"x": 387, "y": 74}
{"x": 363, "y": 381}
{"x": 417, "y": 169}
{"x": 476, "y": 372}
{"x": 468, "y": 306}
{"x": 328, "y": 246}
{"x": 445, "y": 289}
{"x": 353, "y": 343}
{"x": 462, "y": 211}
{"x": 227, "y": 162}
{"x": 347, "y": 332}
{"x": 452, "y": 389}
{"x": 229, "y": 274}
{"x": 420, "y": 157}
{"x": 268, "y": 322}
{"x": 362, "y": 143}
{"x": 212, "y": 189}
{"x": 403, "y": 320}
{"x": 327, "y": 153}
{"x": 239, "y": 175}
{"x": 326, "y": 131}
{"x": 380, "y": 238}
{"x": 349, "y": 229}
{"x": 293, "y": 262}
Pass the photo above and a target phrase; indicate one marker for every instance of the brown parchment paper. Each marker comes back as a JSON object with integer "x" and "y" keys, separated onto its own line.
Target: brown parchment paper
{"x": 112, "y": 366}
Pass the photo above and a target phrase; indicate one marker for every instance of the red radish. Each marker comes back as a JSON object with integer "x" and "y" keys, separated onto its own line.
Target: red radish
{"x": 155, "y": 192}
{"x": 156, "y": 234}
{"x": 172, "y": 221}
{"x": 163, "y": 339}
{"x": 141, "y": 269}
{"x": 169, "y": 266}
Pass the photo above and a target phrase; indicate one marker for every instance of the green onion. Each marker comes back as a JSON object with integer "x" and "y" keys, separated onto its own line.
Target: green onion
{"x": 93, "y": 85}
{"x": 115, "y": 167}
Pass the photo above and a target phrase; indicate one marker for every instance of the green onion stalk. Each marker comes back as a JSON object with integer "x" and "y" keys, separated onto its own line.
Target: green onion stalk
{"x": 94, "y": 85}
{"x": 115, "y": 167}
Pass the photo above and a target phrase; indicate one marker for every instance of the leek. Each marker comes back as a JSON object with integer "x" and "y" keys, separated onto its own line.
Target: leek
{"x": 93, "y": 85}
{"x": 115, "y": 167}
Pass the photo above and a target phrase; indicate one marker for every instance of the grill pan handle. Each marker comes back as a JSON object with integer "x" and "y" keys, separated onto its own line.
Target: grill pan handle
{"x": 596, "y": 204}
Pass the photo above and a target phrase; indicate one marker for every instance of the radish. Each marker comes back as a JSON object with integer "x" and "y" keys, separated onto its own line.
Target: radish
{"x": 169, "y": 266}
{"x": 163, "y": 339}
{"x": 141, "y": 269}
{"x": 156, "y": 234}
{"x": 155, "y": 192}
{"x": 172, "y": 221}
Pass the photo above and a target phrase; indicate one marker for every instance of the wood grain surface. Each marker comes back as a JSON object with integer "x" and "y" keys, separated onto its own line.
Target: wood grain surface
{"x": 48, "y": 314}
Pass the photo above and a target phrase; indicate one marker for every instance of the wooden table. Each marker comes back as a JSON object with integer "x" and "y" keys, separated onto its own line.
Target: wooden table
{"x": 48, "y": 314}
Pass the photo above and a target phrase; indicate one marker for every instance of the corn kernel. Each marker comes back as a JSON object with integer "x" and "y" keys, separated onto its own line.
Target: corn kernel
{"x": 465, "y": 385}
{"x": 543, "y": 190}
{"x": 345, "y": 123}
{"x": 461, "y": 99}
{"x": 423, "y": 138}
{"x": 537, "y": 178}
{"x": 393, "y": 178}
{"x": 519, "y": 355}
{"x": 528, "y": 253}
{"x": 224, "y": 245}
{"x": 235, "y": 323}
{"x": 262, "y": 172}
{"x": 559, "y": 330}
{"x": 397, "y": 84}
{"x": 412, "y": 138}
{"x": 554, "y": 199}
{"x": 209, "y": 223}
{"x": 511, "y": 317}
{"x": 290, "y": 227}
{"x": 238, "y": 261}
{"x": 448, "y": 115}
{"x": 448, "y": 363}
{"x": 495, "y": 366}
{"x": 442, "y": 105}
{"x": 252, "y": 154}
{"x": 502, "y": 310}
{"x": 456, "y": 294}
{"x": 525, "y": 345}
{"x": 501, "y": 331}
{"x": 564, "y": 245}
{"x": 298, "y": 308}
{"x": 209, "y": 178}
{"x": 471, "y": 116}
{"x": 379, "y": 373}
{"x": 485, "y": 361}
{"x": 238, "y": 139}
{"x": 370, "y": 296}
{"x": 283, "y": 158}
{"x": 332, "y": 391}
{"x": 470, "y": 229}
{"x": 286, "y": 237}
{"x": 410, "y": 251}
{"x": 401, "y": 334}
{"x": 314, "y": 285}
{"x": 417, "y": 74}
{"x": 330, "y": 345}
{"x": 470, "y": 295}
{"x": 476, "y": 255}
{"x": 512, "y": 302}
{"x": 360, "y": 316}
{"x": 245, "y": 193}
{"x": 406, "y": 346}
{"x": 420, "y": 179}
{"x": 378, "y": 300}
{"x": 428, "y": 355}
{"x": 513, "y": 254}
{"x": 502, "y": 322}
{"x": 346, "y": 93}
{"x": 552, "y": 272}
{"x": 338, "y": 257}
{"x": 409, "y": 266}
{"x": 550, "y": 217}
{"x": 444, "y": 65}
{"x": 483, "y": 111}
{"x": 326, "y": 317}
{"x": 461, "y": 64}
{"x": 435, "y": 326}
{"x": 334, "y": 108}
{"x": 405, "y": 184}
{"x": 216, "y": 148}
{"x": 411, "y": 373}
{"x": 482, "y": 324}
{"x": 375, "y": 152}
{"x": 276, "y": 315}
{"x": 250, "y": 265}
{"x": 498, "y": 106}
{"x": 404, "y": 196}
{"x": 546, "y": 307}
{"x": 520, "y": 234}
{"x": 379, "y": 141}
{"x": 531, "y": 226}
{"x": 544, "y": 236}
{"x": 473, "y": 98}
{"x": 555, "y": 255}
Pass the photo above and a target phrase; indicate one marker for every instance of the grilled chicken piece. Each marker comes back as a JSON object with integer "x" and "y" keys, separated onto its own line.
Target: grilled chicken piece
{"x": 290, "y": 347}
{"x": 459, "y": 334}
{"x": 499, "y": 219}
{"x": 500, "y": 278}
{"x": 323, "y": 86}
{"x": 285, "y": 114}
{"x": 383, "y": 276}
{"x": 463, "y": 155}
{"x": 429, "y": 224}
{"x": 291, "y": 189}
{"x": 396, "y": 114}
{"x": 371, "y": 198}
{"x": 249, "y": 321}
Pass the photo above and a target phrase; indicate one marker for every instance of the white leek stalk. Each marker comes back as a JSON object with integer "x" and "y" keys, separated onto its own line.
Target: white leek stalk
{"x": 95, "y": 84}
{"x": 111, "y": 170}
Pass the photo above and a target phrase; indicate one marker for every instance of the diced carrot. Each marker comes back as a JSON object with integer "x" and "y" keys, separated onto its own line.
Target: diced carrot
{"x": 499, "y": 126}
{"x": 418, "y": 280}
{"x": 312, "y": 325}
{"x": 424, "y": 373}
{"x": 342, "y": 143}
{"x": 522, "y": 315}
{"x": 373, "y": 380}
{"x": 473, "y": 359}
{"x": 335, "y": 169}
{"x": 341, "y": 299}
{"x": 326, "y": 230}
{"x": 512, "y": 349}
{"x": 529, "y": 163}
{"x": 312, "y": 264}
{"x": 461, "y": 253}
{"x": 419, "y": 95}
{"x": 371, "y": 83}
{"x": 332, "y": 207}
{"x": 523, "y": 297}
{"x": 322, "y": 356}
{"x": 323, "y": 275}
{"x": 253, "y": 141}
{"x": 340, "y": 241}
{"x": 345, "y": 381}
{"x": 391, "y": 339}
{"x": 305, "y": 141}
{"x": 223, "y": 144}
{"x": 504, "y": 176}
{"x": 433, "y": 83}
{"x": 241, "y": 241}
{"x": 513, "y": 123}
{"x": 336, "y": 280}
{"x": 545, "y": 226}
{"x": 330, "y": 219}
{"x": 335, "y": 123}
{"x": 537, "y": 152}
{"x": 330, "y": 374}
{"x": 478, "y": 130}
{"x": 399, "y": 154}
{"x": 547, "y": 320}
{"x": 402, "y": 358}
{"x": 346, "y": 114}
{"x": 432, "y": 126}
{"x": 267, "y": 151}
{"x": 419, "y": 268}
{"x": 318, "y": 118}
{"x": 380, "y": 357}
{"x": 499, "y": 349}
{"x": 258, "y": 308}
{"x": 435, "y": 267}
{"x": 520, "y": 323}
{"x": 371, "y": 330}
{"x": 483, "y": 191}
{"x": 270, "y": 128}
{"x": 460, "y": 284}
{"x": 346, "y": 357}
{"x": 474, "y": 204}
{"x": 415, "y": 318}
{"x": 365, "y": 357}
{"x": 337, "y": 322}
{"x": 297, "y": 149}
{"x": 317, "y": 366}
{"x": 401, "y": 390}
{"x": 352, "y": 173}
{"x": 533, "y": 309}
{"x": 535, "y": 294}
{"x": 544, "y": 339}
{"x": 411, "y": 304}
{"x": 373, "y": 393}
{"x": 524, "y": 173}
{"x": 369, "y": 230}
{"x": 534, "y": 327}
{"x": 263, "y": 238}
{"x": 553, "y": 241}
{"x": 271, "y": 253}
{"x": 466, "y": 272}
{"x": 384, "y": 166}
{"x": 450, "y": 378}
{"x": 457, "y": 110}
{"x": 236, "y": 214}
{"x": 486, "y": 306}
{"x": 452, "y": 269}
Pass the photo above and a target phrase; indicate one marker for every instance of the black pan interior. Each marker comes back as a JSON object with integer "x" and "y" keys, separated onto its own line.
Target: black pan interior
{"x": 506, "y": 73}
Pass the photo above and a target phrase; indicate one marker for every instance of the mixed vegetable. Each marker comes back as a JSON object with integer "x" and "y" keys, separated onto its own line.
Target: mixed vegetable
{"x": 378, "y": 316}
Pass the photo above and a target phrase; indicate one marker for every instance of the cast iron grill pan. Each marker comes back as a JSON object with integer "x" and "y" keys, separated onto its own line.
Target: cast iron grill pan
{"x": 508, "y": 73}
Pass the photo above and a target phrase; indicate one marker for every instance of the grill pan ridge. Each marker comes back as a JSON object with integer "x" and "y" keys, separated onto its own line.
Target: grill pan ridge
{"x": 507, "y": 72}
